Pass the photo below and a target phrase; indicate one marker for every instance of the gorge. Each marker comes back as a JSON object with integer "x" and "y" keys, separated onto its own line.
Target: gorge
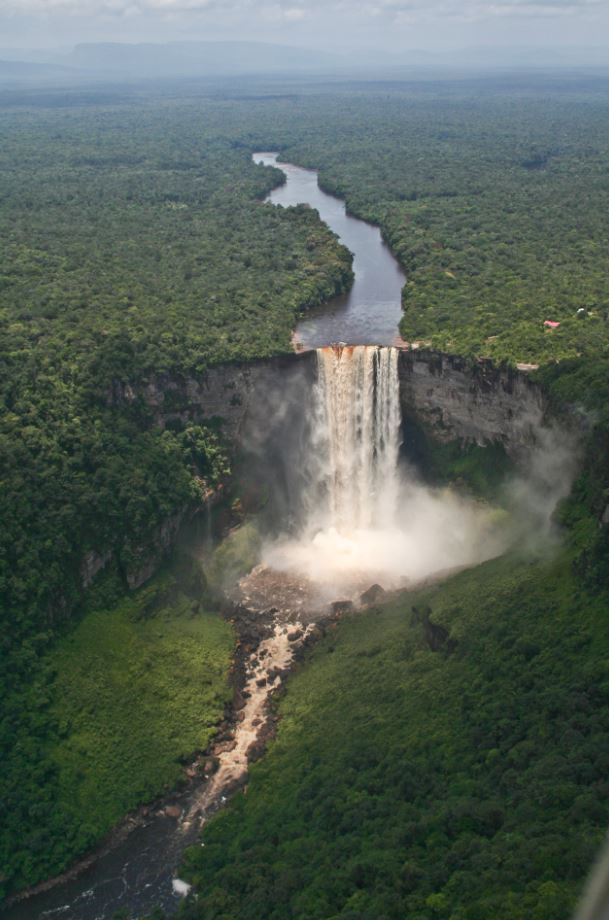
{"x": 332, "y": 429}
{"x": 299, "y": 617}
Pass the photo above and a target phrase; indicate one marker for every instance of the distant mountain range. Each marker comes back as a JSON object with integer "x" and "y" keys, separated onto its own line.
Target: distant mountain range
{"x": 115, "y": 61}
{"x": 191, "y": 58}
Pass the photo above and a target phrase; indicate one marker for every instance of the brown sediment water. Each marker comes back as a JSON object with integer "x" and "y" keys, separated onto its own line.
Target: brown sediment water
{"x": 263, "y": 673}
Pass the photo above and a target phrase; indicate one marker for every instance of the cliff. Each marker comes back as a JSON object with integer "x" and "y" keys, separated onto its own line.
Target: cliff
{"x": 262, "y": 409}
{"x": 456, "y": 399}
{"x": 229, "y": 394}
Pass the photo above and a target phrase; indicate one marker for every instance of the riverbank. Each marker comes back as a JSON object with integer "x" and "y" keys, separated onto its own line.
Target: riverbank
{"x": 267, "y": 644}
{"x": 369, "y": 312}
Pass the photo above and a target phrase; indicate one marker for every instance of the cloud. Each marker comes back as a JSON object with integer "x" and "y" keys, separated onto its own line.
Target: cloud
{"x": 297, "y": 10}
{"x": 293, "y": 14}
{"x": 102, "y": 7}
{"x": 407, "y": 10}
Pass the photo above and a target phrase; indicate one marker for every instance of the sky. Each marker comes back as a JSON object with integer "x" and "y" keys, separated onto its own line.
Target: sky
{"x": 431, "y": 25}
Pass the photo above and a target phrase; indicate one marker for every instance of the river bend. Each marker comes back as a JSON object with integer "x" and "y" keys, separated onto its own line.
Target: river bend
{"x": 368, "y": 314}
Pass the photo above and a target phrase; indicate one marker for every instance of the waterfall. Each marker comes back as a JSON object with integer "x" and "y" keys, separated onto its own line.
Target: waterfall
{"x": 355, "y": 438}
{"x": 361, "y": 519}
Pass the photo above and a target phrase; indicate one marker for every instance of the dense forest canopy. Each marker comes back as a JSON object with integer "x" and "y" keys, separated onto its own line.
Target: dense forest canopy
{"x": 494, "y": 204}
{"x": 135, "y": 243}
{"x": 466, "y": 782}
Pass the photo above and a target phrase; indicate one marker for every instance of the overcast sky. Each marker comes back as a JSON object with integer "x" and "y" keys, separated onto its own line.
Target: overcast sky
{"x": 395, "y": 24}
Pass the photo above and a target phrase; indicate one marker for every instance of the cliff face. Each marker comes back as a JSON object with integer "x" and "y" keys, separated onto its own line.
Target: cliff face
{"x": 232, "y": 393}
{"x": 457, "y": 400}
{"x": 452, "y": 398}
{"x": 263, "y": 408}
{"x": 259, "y": 406}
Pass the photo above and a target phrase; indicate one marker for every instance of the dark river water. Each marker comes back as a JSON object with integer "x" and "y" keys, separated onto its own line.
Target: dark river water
{"x": 137, "y": 875}
{"x": 370, "y": 312}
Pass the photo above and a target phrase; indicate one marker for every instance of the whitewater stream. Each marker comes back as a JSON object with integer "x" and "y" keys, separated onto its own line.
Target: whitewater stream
{"x": 138, "y": 871}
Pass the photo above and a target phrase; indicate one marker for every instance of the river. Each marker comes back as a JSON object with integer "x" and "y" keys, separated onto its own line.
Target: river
{"x": 370, "y": 312}
{"x": 137, "y": 874}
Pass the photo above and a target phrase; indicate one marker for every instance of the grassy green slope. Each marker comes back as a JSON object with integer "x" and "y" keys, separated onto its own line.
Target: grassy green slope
{"x": 133, "y": 695}
{"x": 464, "y": 784}
{"x": 114, "y": 707}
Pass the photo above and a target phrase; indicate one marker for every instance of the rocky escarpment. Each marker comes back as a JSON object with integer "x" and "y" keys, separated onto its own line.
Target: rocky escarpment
{"x": 263, "y": 407}
{"x": 230, "y": 394}
{"x": 254, "y": 404}
{"x": 456, "y": 399}
{"x": 475, "y": 402}
{"x": 141, "y": 562}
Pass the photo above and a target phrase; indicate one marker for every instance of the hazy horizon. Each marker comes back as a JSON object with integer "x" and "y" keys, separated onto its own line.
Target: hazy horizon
{"x": 518, "y": 30}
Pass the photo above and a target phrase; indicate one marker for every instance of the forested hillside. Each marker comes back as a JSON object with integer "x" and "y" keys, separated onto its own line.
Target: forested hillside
{"x": 133, "y": 241}
{"x": 465, "y": 782}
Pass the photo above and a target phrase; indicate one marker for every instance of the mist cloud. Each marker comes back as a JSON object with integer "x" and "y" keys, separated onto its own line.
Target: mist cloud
{"x": 296, "y": 11}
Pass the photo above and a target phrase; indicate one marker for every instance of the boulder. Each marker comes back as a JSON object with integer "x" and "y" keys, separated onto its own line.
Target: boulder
{"x": 256, "y": 750}
{"x": 340, "y": 607}
{"x": 372, "y": 595}
{"x": 435, "y": 635}
{"x": 234, "y": 784}
{"x": 225, "y": 747}
{"x": 238, "y": 702}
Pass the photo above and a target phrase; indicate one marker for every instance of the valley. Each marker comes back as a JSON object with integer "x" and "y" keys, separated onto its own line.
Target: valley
{"x": 251, "y": 463}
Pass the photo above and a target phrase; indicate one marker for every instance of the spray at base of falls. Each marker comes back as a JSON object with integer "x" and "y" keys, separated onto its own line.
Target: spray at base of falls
{"x": 365, "y": 519}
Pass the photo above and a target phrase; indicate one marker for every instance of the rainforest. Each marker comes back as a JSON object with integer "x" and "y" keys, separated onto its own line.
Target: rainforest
{"x": 323, "y": 621}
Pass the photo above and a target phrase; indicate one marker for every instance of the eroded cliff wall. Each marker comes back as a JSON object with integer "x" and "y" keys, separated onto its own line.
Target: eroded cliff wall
{"x": 262, "y": 409}
{"x": 231, "y": 394}
{"x": 456, "y": 399}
